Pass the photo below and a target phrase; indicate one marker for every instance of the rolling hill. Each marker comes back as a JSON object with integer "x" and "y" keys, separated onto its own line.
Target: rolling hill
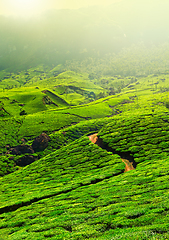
{"x": 74, "y": 188}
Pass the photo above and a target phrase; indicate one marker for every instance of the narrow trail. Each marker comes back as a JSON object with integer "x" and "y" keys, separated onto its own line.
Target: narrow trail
{"x": 129, "y": 165}
{"x": 94, "y": 139}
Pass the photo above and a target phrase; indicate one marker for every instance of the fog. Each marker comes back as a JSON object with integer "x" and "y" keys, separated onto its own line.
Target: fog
{"x": 79, "y": 31}
{"x": 33, "y": 7}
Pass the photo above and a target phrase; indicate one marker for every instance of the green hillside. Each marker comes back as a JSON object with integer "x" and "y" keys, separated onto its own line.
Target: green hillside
{"x": 75, "y": 189}
{"x": 84, "y": 120}
{"x": 81, "y": 192}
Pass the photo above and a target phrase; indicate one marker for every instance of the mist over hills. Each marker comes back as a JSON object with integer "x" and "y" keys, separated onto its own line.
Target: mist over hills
{"x": 60, "y": 35}
{"x": 84, "y": 119}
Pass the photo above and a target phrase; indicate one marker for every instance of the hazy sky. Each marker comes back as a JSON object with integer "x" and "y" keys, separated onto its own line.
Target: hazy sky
{"x": 31, "y": 7}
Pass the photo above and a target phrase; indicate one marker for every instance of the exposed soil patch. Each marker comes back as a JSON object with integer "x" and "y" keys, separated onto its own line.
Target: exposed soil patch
{"x": 94, "y": 139}
{"x": 126, "y": 158}
{"x": 129, "y": 165}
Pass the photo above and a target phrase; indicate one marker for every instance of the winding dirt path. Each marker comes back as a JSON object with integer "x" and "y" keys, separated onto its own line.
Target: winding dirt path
{"x": 94, "y": 139}
{"x": 129, "y": 165}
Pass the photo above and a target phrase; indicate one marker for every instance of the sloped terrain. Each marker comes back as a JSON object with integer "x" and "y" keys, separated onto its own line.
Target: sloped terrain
{"x": 143, "y": 137}
{"x": 26, "y": 115}
{"x": 81, "y": 192}
{"x": 84, "y": 123}
{"x": 76, "y": 189}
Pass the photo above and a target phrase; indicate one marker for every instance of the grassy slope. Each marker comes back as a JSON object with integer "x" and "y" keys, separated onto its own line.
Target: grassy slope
{"x": 80, "y": 191}
{"x": 40, "y": 116}
{"x": 15, "y": 127}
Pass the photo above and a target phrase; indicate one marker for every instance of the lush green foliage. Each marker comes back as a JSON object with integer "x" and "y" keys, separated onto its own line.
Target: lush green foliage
{"x": 77, "y": 190}
{"x": 29, "y": 111}
{"x": 80, "y": 192}
{"x": 145, "y": 137}
{"x": 93, "y": 72}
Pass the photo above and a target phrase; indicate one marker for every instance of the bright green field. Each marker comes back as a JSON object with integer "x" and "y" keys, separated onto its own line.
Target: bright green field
{"x": 76, "y": 189}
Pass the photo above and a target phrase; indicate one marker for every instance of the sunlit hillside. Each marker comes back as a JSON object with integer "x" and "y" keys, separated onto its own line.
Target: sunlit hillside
{"x": 73, "y": 188}
{"x": 84, "y": 119}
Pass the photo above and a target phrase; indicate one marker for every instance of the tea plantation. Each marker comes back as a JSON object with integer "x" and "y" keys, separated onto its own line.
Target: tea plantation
{"x": 75, "y": 189}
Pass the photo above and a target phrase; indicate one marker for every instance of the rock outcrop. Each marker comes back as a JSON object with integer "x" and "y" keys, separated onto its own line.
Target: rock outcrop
{"x": 26, "y": 160}
{"x": 21, "y": 149}
{"x": 40, "y": 142}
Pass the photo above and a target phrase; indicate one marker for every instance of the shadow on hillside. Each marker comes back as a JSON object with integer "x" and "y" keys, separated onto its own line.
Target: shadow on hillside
{"x": 126, "y": 157}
